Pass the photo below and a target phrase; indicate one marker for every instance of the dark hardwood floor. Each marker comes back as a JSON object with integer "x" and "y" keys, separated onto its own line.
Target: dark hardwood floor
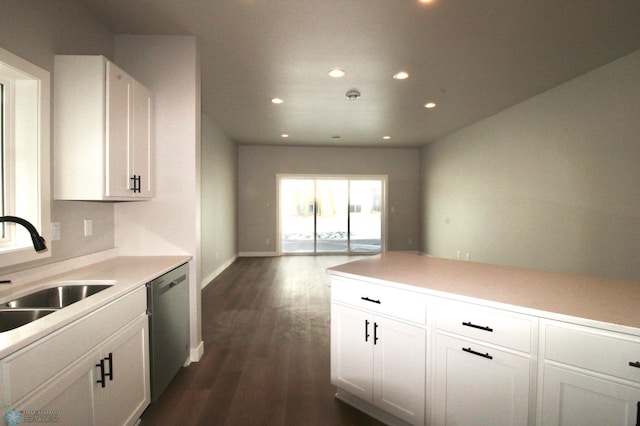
{"x": 265, "y": 326}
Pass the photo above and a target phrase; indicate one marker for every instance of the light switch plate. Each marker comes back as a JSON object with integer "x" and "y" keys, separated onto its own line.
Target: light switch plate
{"x": 88, "y": 227}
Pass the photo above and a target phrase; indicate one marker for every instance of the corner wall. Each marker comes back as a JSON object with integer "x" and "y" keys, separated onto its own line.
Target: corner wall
{"x": 169, "y": 223}
{"x": 218, "y": 201}
{"x": 551, "y": 183}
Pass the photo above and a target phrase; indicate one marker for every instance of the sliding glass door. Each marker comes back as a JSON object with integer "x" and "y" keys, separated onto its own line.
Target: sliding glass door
{"x": 331, "y": 214}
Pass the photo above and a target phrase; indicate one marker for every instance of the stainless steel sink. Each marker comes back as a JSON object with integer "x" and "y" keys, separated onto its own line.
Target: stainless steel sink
{"x": 14, "y": 318}
{"x": 28, "y": 308}
{"x": 56, "y": 297}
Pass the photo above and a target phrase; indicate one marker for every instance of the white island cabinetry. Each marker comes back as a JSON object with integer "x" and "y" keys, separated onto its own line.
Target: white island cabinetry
{"x": 504, "y": 346}
{"x": 589, "y": 376}
{"x": 482, "y": 366}
{"x": 378, "y": 349}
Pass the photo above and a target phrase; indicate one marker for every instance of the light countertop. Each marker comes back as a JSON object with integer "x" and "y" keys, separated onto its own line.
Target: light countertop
{"x": 126, "y": 273}
{"x": 587, "y": 299}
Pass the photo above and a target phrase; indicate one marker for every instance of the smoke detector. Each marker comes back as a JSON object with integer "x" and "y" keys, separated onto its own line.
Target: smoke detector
{"x": 352, "y": 94}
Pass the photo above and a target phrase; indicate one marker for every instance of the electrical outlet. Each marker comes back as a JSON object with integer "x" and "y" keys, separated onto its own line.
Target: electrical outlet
{"x": 55, "y": 231}
{"x": 88, "y": 227}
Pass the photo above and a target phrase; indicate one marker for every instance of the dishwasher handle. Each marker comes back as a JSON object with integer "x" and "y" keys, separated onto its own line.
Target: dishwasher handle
{"x": 161, "y": 287}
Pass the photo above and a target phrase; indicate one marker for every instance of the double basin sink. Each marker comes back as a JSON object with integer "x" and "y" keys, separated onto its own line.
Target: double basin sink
{"x": 28, "y": 308}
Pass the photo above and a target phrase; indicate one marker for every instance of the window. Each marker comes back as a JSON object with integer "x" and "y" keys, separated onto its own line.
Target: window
{"x": 24, "y": 156}
{"x": 331, "y": 214}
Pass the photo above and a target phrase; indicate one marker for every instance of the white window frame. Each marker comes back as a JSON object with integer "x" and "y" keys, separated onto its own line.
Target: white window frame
{"x": 26, "y": 156}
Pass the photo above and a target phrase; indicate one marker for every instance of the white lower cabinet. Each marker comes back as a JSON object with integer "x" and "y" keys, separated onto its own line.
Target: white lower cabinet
{"x": 575, "y": 398}
{"x": 479, "y": 385}
{"x": 589, "y": 376}
{"x": 94, "y": 371}
{"x": 126, "y": 392}
{"x": 77, "y": 396}
{"x": 379, "y": 360}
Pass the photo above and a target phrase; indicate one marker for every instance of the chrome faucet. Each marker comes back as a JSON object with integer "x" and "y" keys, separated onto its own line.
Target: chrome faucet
{"x": 38, "y": 241}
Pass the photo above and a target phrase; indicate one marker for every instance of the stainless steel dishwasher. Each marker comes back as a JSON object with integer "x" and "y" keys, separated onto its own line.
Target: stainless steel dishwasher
{"x": 168, "y": 304}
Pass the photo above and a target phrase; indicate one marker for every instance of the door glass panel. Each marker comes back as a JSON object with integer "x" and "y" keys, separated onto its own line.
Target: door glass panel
{"x": 331, "y": 215}
{"x": 332, "y": 221}
{"x": 297, "y": 215}
{"x": 365, "y": 215}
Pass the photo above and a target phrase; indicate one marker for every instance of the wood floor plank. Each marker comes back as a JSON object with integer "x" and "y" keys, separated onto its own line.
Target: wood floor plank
{"x": 266, "y": 331}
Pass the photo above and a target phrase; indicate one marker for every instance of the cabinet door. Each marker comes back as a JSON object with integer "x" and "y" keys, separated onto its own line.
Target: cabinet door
{"x": 127, "y": 392}
{"x": 118, "y": 150}
{"x": 68, "y": 399}
{"x": 142, "y": 140}
{"x": 399, "y": 369}
{"x": 478, "y": 385}
{"x": 352, "y": 351}
{"x": 573, "y": 398}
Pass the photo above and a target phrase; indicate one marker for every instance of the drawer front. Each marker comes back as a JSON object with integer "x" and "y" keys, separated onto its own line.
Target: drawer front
{"x": 597, "y": 350}
{"x": 397, "y": 303}
{"x": 48, "y": 356}
{"x": 485, "y": 324}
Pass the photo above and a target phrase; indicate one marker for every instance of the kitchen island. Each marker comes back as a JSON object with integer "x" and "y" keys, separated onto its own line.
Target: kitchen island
{"x": 421, "y": 340}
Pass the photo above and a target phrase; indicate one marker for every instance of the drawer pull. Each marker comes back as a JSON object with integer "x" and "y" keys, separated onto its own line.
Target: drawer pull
{"x": 366, "y": 299}
{"x": 479, "y": 327}
{"x": 471, "y": 351}
{"x": 634, "y": 364}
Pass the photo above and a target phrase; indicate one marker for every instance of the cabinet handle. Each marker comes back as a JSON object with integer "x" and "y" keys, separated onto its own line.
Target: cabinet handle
{"x": 135, "y": 183}
{"x": 366, "y": 330}
{"x": 479, "y": 327}
{"x": 634, "y": 364}
{"x": 471, "y": 351}
{"x": 110, "y": 373}
{"x": 366, "y": 299}
{"x": 638, "y": 414}
{"x": 101, "y": 380}
{"x": 375, "y": 333}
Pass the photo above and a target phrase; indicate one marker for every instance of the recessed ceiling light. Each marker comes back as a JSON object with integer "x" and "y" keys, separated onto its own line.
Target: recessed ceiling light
{"x": 426, "y": 1}
{"x": 386, "y": 138}
{"x": 284, "y": 135}
{"x": 277, "y": 101}
{"x": 337, "y": 73}
{"x": 430, "y": 105}
{"x": 402, "y": 75}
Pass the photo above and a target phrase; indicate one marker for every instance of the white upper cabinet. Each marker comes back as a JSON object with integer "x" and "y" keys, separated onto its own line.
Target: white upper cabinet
{"x": 103, "y": 143}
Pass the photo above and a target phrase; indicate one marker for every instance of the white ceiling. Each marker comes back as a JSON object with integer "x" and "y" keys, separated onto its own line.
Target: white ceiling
{"x": 473, "y": 58}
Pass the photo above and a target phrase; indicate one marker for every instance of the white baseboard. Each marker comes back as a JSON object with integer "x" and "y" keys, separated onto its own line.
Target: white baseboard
{"x": 258, "y": 254}
{"x": 197, "y": 352}
{"x": 205, "y": 281}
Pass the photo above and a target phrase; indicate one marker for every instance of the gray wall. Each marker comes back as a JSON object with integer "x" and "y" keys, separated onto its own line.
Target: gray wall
{"x": 258, "y": 166}
{"x": 219, "y": 201}
{"x": 551, "y": 183}
{"x": 37, "y": 30}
